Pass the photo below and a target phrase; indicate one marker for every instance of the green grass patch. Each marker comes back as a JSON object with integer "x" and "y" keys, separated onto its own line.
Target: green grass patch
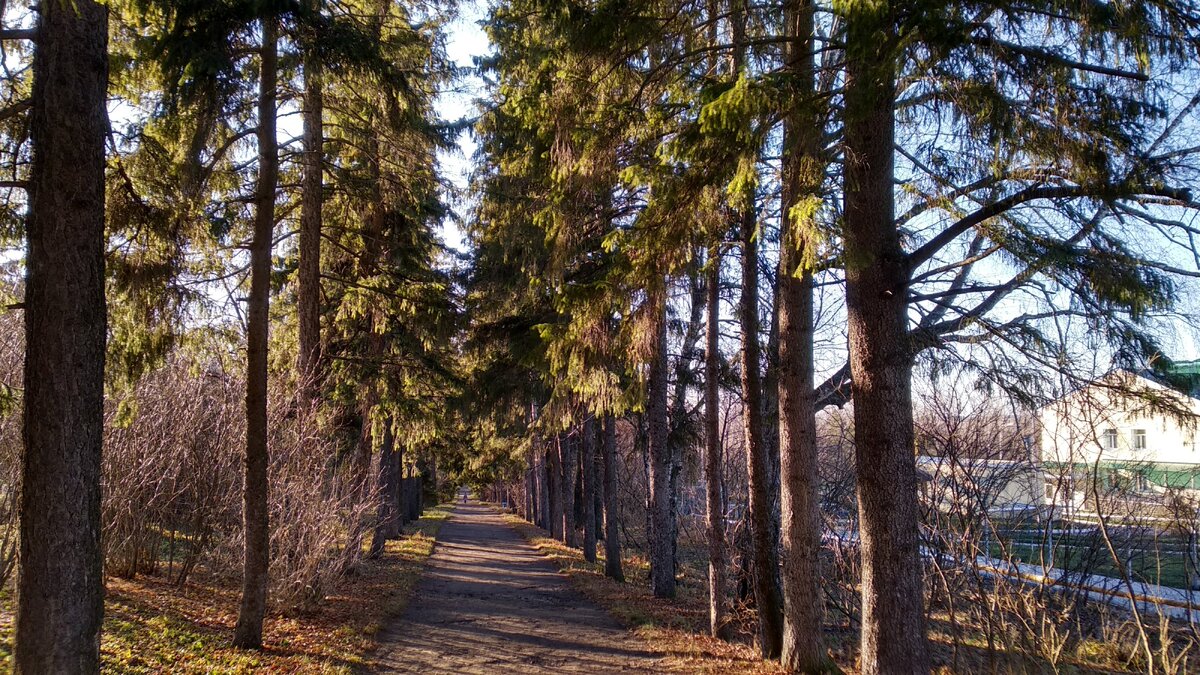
{"x": 1163, "y": 568}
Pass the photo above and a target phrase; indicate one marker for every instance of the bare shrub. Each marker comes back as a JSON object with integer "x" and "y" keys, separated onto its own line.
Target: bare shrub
{"x": 171, "y": 466}
{"x": 173, "y": 480}
{"x": 311, "y": 505}
{"x": 12, "y": 358}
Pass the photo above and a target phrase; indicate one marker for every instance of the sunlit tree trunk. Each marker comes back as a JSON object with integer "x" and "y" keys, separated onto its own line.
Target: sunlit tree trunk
{"x": 714, "y": 478}
{"x": 893, "y": 614}
{"x": 248, "y": 632}
{"x": 803, "y": 645}
{"x": 60, "y": 579}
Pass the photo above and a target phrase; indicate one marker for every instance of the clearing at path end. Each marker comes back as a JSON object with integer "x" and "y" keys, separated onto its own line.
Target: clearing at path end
{"x": 489, "y": 603}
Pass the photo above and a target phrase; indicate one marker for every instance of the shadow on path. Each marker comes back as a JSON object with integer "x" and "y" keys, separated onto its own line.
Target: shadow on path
{"x": 489, "y": 603}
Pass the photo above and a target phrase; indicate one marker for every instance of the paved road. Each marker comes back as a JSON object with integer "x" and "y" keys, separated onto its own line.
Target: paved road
{"x": 489, "y": 603}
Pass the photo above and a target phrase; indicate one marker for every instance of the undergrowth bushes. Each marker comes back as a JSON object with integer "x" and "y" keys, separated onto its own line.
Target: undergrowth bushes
{"x": 172, "y": 480}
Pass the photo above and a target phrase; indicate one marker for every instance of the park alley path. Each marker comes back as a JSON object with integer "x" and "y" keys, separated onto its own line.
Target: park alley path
{"x": 489, "y": 603}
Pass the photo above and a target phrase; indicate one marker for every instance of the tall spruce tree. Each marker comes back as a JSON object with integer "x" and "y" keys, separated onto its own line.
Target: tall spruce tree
{"x": 255, "y": 510}
{"x": 803, "y": 648}
{"x": 60, "y": 581}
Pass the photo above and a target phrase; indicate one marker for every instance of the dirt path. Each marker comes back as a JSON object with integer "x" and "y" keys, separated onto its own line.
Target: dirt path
{"x": 489, "y": 603}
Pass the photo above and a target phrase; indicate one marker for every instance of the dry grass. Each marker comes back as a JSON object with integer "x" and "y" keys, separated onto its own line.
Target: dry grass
{"x": 151, "y": 626}
{"x": 677, "y": 627}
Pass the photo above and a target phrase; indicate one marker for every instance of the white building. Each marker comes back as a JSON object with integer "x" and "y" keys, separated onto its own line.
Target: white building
{"x": 1127, "y": 429}
{"x": 992, "y": 486}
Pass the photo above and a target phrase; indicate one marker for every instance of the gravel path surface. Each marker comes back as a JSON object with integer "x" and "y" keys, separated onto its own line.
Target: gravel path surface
{"x": 489, "y": 603}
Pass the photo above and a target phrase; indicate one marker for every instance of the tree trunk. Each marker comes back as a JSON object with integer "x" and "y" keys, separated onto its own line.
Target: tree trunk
{"x": 416, "y": 497}
{"x": 531, "y": 488}
{"x": 588, "y": 463}
{"x": 770, "y": 405}
{"x": 718, "y": 622}
{"x": 686, "y": 368}
{"x": 758, "y": 464}
{"x": 893, "y": 616}
{"x": 544, "y": 489}
{"x": 554, "y": 485}
{"x": 662, "y": 515}
{"x": 361, "y": 484}
{"x": 374, "y": 249}
{"x": 598, "y": 468}
{"x": 612, "y": 520}
{"x": 386, "y": 522}
{"x": 248, "y": 632}
{"x": 308, "y": 287}
{"x": 542, "y": 500}
{"x": 803, "y": 644}
{"x": 401, "y": 489}
{"x": 570, "y": 469}
{"x": 60, "y": 579}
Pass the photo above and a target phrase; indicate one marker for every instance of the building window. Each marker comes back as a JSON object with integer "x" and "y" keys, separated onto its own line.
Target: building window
{"x": 1139, "y": 439}
{"x": 1110, "y": 439}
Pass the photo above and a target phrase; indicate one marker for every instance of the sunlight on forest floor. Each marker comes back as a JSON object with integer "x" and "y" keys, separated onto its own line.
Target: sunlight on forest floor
{"x": 152, "y": 626}
{"x": 678, "y": 627}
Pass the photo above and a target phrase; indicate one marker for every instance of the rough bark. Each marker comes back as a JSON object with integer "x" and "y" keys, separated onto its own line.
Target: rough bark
{"x": 248, "y": 632}
{"x": 803, "y": 644}
{"x": 598, "y": 468}
{"x": 308, "y": 287}
{"x": 661, "y": 514}
{"x": 554, "y": 487}
{"x": 387, "y": 524}
{"x": 767, "y": 595}
{"x": 714, "y": 478}
{"x": 612, "y": 520}
{"x": 686, "y": 367}
{"x": 60, "y": 580}
{"x": 542, "y": 512}
{"x": 531, "y": 487}
{"x": 570, "y": 469}
{"x": 416, "y": 497}
{"x": 770, "y": 405}
{"x": 587, "y": 461}
{"x": 893, "y": 616}
{"x": 401, "y": 488}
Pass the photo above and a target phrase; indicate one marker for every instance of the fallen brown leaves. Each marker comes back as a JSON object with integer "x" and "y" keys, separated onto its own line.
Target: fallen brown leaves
{"x": 152, "y": 626}
{"x": 677, "y": 626}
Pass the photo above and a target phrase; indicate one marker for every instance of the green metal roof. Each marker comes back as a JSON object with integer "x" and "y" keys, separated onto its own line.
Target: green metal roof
{"x": 1185, "y": 368}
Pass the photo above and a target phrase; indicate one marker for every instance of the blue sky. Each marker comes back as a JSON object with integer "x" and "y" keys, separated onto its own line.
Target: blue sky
{"x": 465, "y": 41}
